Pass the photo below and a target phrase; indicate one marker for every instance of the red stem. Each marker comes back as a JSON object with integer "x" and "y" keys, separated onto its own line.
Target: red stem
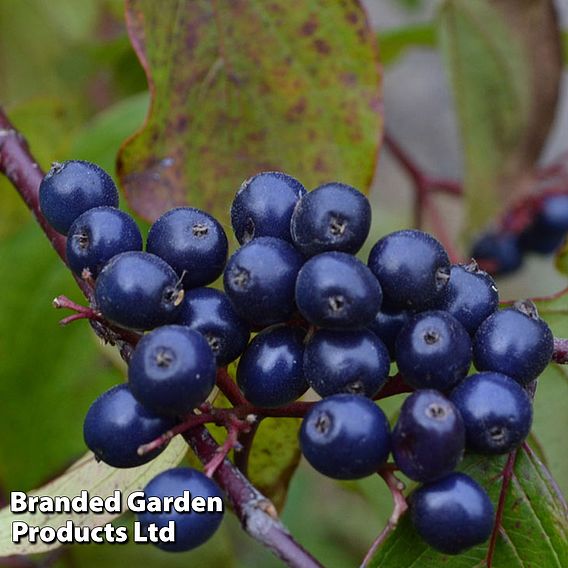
{"x": 396, "y": 488}
{"x": 507, "y": 475}
{"x": 256, "y": 513}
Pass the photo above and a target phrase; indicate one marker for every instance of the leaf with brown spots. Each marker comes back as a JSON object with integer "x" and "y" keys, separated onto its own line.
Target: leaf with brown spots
{"x": 243, "y": 86}
{"x": 504, "y": 58}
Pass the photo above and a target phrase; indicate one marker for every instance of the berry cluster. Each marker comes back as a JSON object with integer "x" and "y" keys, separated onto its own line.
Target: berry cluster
{"x": 322, "y": 319}
{"x": 502, "y": 252}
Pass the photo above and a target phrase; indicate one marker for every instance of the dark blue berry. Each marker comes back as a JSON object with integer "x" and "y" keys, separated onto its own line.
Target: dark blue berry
{"x": 172, "y": 370}
{"x": 353, "y": 362}
{"x": 263, "y": 206}
{"x": 428, "y": 440}
{"x": 412, "y": 267}
{"x": 433, "y": 350}
{"x": 259, "y": 280}
{"x": 337, "y": 291}
{"x": 498, "y": 253}
{"x": 192, "y": 242}
{"x": 97, "y": 235}
{"x": 191, "y": 528}
{"x": 553, "y": 215}
{"x": 270, "y": 371}
{"x": 515, "y": 342}
{"x": 452, "y": 514}
{"x": 387, "y": 325}
{"x": 138, "y": 290}
{"x": 210, "y": 312}
{"x": 470, "y": 296}
{"x": 334, "y": 216}
{"x": 549, "y": 228}
{"x": 496, "y": 410}
{"x": 71, "y": 188}
{"x": 345, "y": 436}
{"x": 117, "y": 424}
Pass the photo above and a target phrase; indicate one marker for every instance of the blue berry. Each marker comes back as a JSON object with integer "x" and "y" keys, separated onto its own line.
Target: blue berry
{"x": 332, "y": 217}
{"x": 172, "y": 370}
{"x": 428, "y": 440}
{"x": 452, "y": 514}
{"x": 192, "y": 242}
{"x": 138, "y": 290}
{"x": 259, "y": 280}
{"x": 345, "y": 436}
{"x": 470, "y": 296}
{"x": 116, "y": 425}
{"x": 496, "y": 410}
{"x": 515, "y": 342}
{"x": 210, "y": 312}
{"x": 71, "y": 188}
{"x": 263, "y": 206}
{"x": 387, "y": 325}
{"x": 553, "y": 215}
{"x": 191, "y": 529}
{"x": 353, "y": 362}
{"x": 270, "y": 371}
{"x": 412, "y": 267}
{"x": 337, "y": 291}
{"x": 97, "y": 235}
{"x": 433, "y": 350}
{"x": 549, "y": 228}
{"x": 498, "y": 253}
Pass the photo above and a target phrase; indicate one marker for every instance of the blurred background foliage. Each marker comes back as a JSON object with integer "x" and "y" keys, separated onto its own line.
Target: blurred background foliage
{"x": 72, "y": 84}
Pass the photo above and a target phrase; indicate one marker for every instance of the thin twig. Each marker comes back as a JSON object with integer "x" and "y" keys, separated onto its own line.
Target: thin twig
{"x": 400, "y": 507}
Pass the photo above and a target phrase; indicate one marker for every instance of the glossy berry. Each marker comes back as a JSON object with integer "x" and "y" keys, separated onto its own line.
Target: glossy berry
{"x": 192, "y": 242}
{"x": 263, "y": 206}
{"x": 191, "y": 528}
{"x": 412, "y": 267}
{"x": 470, "y": 296}
{"x": 515, "y": 342}
{"x": 71, "y": 188}
{"x": 172, "y": 370}
{"x": 433, "y": 350}
{"x": 210, "y": 312}
{"x": 498, "y": 253}
{"x": 452, "y": 514}
{"x": 353, "y": 362}
{"x": 259, "y": 280}
{"x": 428, "y": 440}
{"x": 138, "y": 290}
{"x": 335, "y": 290}
{"x": 496, "y": 410}
{"x": 116, "y": 425}
{"x": 387, "y": 325}
{"x": 97, "y": 235}
{"x": 345, "y": 436}
{"x": 270, "y": 371}
{"x": 332, "y": 217}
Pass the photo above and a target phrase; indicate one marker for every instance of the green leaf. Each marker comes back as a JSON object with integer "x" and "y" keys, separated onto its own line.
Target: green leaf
{"x": 554, "y": 310}
{"x": 562, "y": 258}
{"x": 534, "y": 530}
{"x": 504, "y": 62}
{"x": 394, "y": 43}
{"x": 274, "y": 457}
{"x": 49, "y": 375}
{"x": 96, "y": 478}
{"x": 242, "y": 87}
